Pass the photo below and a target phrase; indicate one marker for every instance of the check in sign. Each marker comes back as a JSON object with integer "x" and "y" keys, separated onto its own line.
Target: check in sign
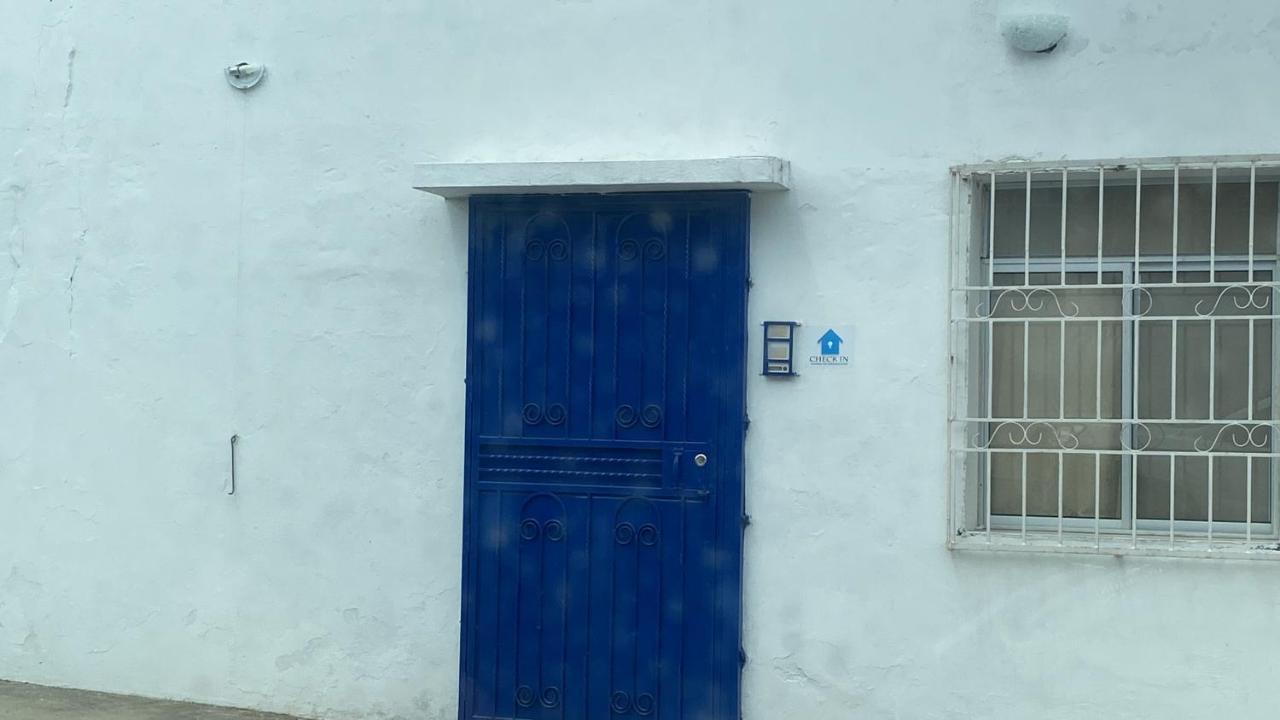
{"x": 829, "y": 349}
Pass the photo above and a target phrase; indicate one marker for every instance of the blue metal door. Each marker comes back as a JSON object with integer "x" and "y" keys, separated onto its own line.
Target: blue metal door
{"x": 605, "y": 419}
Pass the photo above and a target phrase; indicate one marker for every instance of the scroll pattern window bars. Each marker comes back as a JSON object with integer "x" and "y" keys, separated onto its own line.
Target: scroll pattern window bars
{"x": 1115, "y": 356}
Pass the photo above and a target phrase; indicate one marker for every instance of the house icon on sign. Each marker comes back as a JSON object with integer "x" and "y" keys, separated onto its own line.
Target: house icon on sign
{"x": 830, "y": 343}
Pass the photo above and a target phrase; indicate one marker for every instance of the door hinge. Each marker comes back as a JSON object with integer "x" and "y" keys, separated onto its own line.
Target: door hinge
{"x": 742, "y": 657}
{"x": 750, "y": 283}
{"x": 746, "y": 423}
{"x": 746, "y": 520}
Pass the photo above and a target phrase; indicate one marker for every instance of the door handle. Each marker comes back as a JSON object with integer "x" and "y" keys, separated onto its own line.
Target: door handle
{"x": 700, "y": 459}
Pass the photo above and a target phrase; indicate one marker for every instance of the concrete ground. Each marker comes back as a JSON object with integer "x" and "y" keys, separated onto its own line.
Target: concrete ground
{"x": 19, "y": 701}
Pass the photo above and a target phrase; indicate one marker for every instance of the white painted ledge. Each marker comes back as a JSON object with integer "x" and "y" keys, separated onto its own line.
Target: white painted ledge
{"x": 452, "y": 180}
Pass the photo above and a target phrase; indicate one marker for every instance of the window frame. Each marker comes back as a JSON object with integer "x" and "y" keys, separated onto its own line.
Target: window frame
{"x": 1129, "y": 269}
{"x": 971, "y": 279}
{"x": 1039, "y": 522}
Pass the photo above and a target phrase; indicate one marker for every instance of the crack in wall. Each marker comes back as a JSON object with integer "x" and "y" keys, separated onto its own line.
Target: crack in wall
{"x": 62, "y": 18}
{"x": 71, "y": 292}
{"x": 79, "y": 186}
{"x": 71, "y": 67}
{"x": 305, "y": 654}
{"x": 17, "y": 250}
{"x": 16, "y": 245}
{"x": 12, "y": 299}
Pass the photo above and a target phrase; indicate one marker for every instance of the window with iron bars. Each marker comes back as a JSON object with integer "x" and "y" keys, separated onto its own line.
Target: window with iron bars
{"x": 1114, "y": 354}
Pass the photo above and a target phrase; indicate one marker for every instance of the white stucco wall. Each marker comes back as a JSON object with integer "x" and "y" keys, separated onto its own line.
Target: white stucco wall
{"x": 180, "y": 262}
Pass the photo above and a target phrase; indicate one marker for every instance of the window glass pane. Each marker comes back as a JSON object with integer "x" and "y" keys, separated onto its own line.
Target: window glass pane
{"x": 1078, "y": 489}
{"x": 1195, "y": 192}
{"x": 1191, "y": 488}
{"x": 1074, "y": 377}
{"x": 1203, "y": 391}
{"x": 1088, "y": 342}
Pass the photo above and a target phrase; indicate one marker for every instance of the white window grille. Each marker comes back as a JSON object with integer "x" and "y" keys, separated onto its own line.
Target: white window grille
{"x": 1115, "y": 353}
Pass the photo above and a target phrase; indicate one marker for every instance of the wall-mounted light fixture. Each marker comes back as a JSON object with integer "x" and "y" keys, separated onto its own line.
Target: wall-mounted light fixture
{"x": 1034, "y": 32}
{"x": 245, "y": 75}
{"x": 779, "y": 347}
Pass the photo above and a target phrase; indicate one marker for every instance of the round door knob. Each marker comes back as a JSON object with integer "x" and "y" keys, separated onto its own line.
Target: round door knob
{"x": 700, "y": 459}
